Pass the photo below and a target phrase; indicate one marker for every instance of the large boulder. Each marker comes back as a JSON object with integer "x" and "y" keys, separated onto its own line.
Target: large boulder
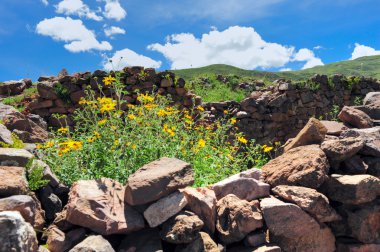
{"x": 14, "y": 87}
{"x": 93, "y": 243}
{"x": 352, "y": 166}
{"x": 13, "y": 181}
{"x": 302, "y": 166}
{"x": 99, "y": 206}
{"x": 143, "y": 240}
{"x": 50, "y": 202}
{"x": 341, "y": 149}
{"x": 371, "y": 98}
{"x": 28, "y": 207}
{"x": 309, "y": 200}
{"x": 58, "y": 241}
{"x": 293, "y": 229}
{"x": 351, "y": 189}
{"x": 182, "y": 228}
{"x": 157, "y": 179}
{"x": 373, "y": 166}
{"x": 371, "y": 139}
{"x": 163, "y": 209}
{"x": 359, "y": 222}
{"x": 14, "y": 157}
{"x": 245, "y": 185}
{"x": 202, "y": 202}
{"x": 203, "y": 243}
{"x": 313, "y": 133}
{"x": 16, "y": 234}
{"x": 236, "y": 218}
{"x": 355, "y": 117}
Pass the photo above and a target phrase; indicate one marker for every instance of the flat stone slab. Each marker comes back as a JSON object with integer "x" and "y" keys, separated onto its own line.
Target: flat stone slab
{"x": 13, "y": 181}
{"x": 158, "y": 179}
{"x": 14, "y": 157}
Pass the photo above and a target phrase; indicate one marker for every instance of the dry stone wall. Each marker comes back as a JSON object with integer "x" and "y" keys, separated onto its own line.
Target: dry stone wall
{"x": 275, "y": 113}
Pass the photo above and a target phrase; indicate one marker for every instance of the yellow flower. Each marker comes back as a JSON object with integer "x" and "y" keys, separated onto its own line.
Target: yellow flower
{"x": 188, "y": 121}
{"x": 242, "y": 140}
{"x": 145, "y": 98}
{"x": 201, "y": 143}
{"x": 134, "y": 147}
{"x": 97, "y": 135}
{"x": 39, "y": 146}
{"x": 108, "y": 80}
{"x": 82, "y": 101}
{"x": 131, "y": 106}
{"x": 102, "y": 122}
{"x": 71, "y": 144}
{"x": 91, "y": 139}
{"x": 188, "y": 117}
{"x": 150, "y": 106}
{"x": 161, "y": 113}
{"x": 116, "y": 142}
{"x": 225, "y": 112}
{"x": 49, "y": 144}
{"x": 104, "y": 100}
{"x": 132, "y": 117}
{"x": 230, "y": 157}
{"x": 233, "y": 120}
{"x": 108, "y": 107}
{"x": 267, "y": 149}
{"x": 63, "y": 130}
{"x": 200, "y": 108}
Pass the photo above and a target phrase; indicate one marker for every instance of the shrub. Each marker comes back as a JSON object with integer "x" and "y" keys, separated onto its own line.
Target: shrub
{"x": 17, "y": 143}
{"x": 108, "y": 142}
{"x": 35, "y": 176}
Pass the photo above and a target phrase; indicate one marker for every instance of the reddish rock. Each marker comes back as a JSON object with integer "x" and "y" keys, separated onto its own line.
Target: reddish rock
{"x": 157, "y": 179}
{"x": 13, "y": 181}
{"x": 13, "y": 87}
{"x": 203, "y": 243}
{"x": 236, "y": 218}
{"x": 355, "y": 117}
{"x": 342, "y": 149}
{"x": 99, "y": 206}
{"x": 255, "y": 239}
{"x": 352, "y": 247}
{"x": 202, "y": 202}
{"x": 58, "y": 241}
{"x": 309, "y": 200}
{"x": 16, "y": 234}
{"x": 163, "y": 209}
{"x": 40, "y": 104}
{"x": 313, "y": 133}
{"x": 28, "y": 207}
{"x": 334, "y": 128}
{"x": 371, "y": 98}
{"x": 245, "y": 185}
{"x": 93, "y": 243}
{"x": 302, "y": 166}
{"x": 293, "y": 229}
{"x": 351, "y": 189}
{"x": 182, "y": 228}
{"x": 77, "y": 96}
{"x": 359, "y": 222}
{"x": 46, "y": 90}
{"x": 143, "y": 240}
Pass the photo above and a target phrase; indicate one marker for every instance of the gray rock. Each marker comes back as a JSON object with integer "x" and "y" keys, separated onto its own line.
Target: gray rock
{"x": 371, "y": 98}
{"x": 14, "y": 157}
{"x": 143, "y": 240}
{"x": 5, "y": 135}
{"x": 371, "y": 139}
{"x": 50, "y": 202}
{"x": 342, "y": 149}
{"x": 16, "y": 234}
{"x": 93, "y": 243}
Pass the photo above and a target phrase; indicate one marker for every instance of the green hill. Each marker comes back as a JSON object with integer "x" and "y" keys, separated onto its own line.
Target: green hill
{"x": 365, "y": 66}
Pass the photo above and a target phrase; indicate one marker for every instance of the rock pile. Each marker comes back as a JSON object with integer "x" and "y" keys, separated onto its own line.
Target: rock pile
{"x": 322, "y": 194}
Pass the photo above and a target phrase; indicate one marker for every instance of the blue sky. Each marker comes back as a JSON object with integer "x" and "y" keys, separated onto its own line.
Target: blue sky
{"x": 40, "y": 37}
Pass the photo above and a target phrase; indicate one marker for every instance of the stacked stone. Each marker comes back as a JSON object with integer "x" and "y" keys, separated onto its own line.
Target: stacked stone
{"x": 277, "y": 112}
{"x": 61, "y": 95}
{"x": 9, "y": 88}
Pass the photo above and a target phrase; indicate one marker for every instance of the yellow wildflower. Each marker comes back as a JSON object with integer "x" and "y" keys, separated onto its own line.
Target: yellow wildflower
{"x": 150, "y": 106}
{"x": 230, "y": 157}
{"x": 233, "y": 120}
{"x": 49, "y": 144}
{"x": 104, "y": 100}
{"x": 201, "y": 143}
{"x": 134, "y": 147}
{"x": 267, "y": 149}
{"x": 82, "y": 101}
{"x": 102, "y": 122}
{"x": 200, "y": 108}
{"x": 97, "y": 135}
{"x": 108, "y": 107}
{"x": 145, "y": 98}
{"x": 131, "y": 106}
{"x": 132, "y": 117}
{"x": 242, "y": 140}
{"x": 63, "y": 130}
{"x": 225, "y": 112}
{"x": 108, "y": 80}
{"x": 161, "y": 113}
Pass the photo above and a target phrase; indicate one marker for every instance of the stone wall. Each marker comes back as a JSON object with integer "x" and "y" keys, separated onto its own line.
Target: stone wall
{"x": 276, "y": 113}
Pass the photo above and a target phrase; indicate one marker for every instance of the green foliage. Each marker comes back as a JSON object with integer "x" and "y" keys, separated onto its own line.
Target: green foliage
{"x": 62, "y": 92}
{"x": 352, "y": 81}
{"x": 212, "y": 90}
{"x": 35, "y": 176}
{"x": 108, "y": 142}
{"x": 17, "y": 143}
{"x": 17, "y": 99}
{"x": 358, "y": 101}
{"x": 143, "y": 75}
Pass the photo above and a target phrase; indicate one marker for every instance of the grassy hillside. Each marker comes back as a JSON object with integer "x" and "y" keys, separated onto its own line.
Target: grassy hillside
{"x": 365, "y": 66}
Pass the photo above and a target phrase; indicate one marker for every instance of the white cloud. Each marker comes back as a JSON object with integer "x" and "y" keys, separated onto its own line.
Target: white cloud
{"x": 285, "y": 69}
{"x": 113, "y": 30}
{"x": 113, "y": 10}
{"x": 76, "y": 7}
{"x": 238, "y": 46}
{"x": 45, "y": 2}
{"x": 307, "y": 55}
{"x": 318, "y": 47}
{"x": 127, "y": 57}
{"x": 77, "y": 37}
{"x": 362, "y": 50}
